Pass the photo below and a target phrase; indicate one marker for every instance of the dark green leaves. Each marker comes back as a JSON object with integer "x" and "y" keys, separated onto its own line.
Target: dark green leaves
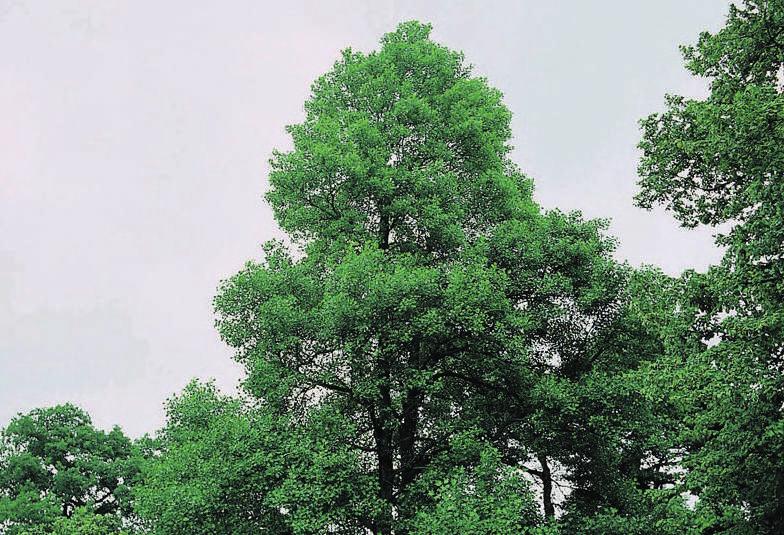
{"x": 719, "y": 161}
{"x": 53, "y": 463}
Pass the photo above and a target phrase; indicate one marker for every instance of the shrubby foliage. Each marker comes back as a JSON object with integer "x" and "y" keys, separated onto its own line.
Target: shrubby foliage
{"x": 228, "y": 466}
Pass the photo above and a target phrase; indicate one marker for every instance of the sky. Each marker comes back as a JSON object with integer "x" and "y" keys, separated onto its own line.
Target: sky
{"x": 134, "y": 139}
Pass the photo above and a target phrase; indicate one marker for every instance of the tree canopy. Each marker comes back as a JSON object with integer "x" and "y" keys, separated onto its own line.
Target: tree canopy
{"x": 429, "y": 298}
{"x": 718, "y": 161}
{"x": 55, "y": 464}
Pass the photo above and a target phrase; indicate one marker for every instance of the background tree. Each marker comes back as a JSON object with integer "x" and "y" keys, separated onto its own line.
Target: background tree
{"x": 53, "y": 462}
{"x": 225, "y": 465}
{"x": 719, "y": 161}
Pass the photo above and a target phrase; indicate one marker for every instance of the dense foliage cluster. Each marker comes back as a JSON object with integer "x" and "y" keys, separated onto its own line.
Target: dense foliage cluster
{"x": 435, "y": 353}
{"x": 59, "y": 474}
{"x": 719, "y": 161}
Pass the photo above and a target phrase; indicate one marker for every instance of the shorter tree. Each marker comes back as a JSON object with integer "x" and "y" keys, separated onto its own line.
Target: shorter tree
{"x": 53, "y": 462}
{"x": 227, "y": 465}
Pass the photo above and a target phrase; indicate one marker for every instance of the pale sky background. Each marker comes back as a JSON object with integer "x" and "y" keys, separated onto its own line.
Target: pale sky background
{"x": 134, "y": 138}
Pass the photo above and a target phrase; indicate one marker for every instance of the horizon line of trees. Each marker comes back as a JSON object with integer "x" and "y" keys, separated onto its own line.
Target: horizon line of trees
{"x": 435, "y": 353}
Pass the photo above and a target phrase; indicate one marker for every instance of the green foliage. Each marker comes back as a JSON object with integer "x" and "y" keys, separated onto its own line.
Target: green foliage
{"x": 84, "y": 521}
{"x": 718, "y": 161}
{"x": 434, "y": 353}
{"x": 227, "y": 466}
{"x": 488, "y": 498}
{"x": 649, "y": 512}
{"x": 402, "y": 147}
{"x": 431, "y": 299}
{"x": 53, "y": 462}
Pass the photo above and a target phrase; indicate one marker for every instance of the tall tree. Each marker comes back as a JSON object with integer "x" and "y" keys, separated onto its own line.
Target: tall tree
{"x": 719, "y": 161}
{"x": 431, "y": 300}
{"x": 397, "y": 173}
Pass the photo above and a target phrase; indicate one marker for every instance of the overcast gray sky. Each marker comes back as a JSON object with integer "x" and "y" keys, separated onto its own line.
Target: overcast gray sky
{"x": 134, "y": 137}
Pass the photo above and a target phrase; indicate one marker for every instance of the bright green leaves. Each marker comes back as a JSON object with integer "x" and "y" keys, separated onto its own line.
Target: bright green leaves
{"x": 475, "y": 298}
{"x": 432, "y": 300}
{"x": 334, "y": 318}
{"x": 719, "y": 161}
{"x": 400, "y": 147}
{"x": 214, "y": 458}
{"x": 746, "y": 50}
{"x": 531, "y": 325}
{"x": 85, "y": 522}
{"x": 489, "y": 499}
{"x": 227, "y": 466}
{"x": 711, "y": 161}
{"x": 439, "y": 354}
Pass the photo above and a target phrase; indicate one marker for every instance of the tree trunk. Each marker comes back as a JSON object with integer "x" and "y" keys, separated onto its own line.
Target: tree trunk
{"x": 385, "y": 455}
{"x": 383, "y": 231}
{"x": 408, "y": 432}
{"x": 547, "y": 488}
{"x": 386, "y": 481}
